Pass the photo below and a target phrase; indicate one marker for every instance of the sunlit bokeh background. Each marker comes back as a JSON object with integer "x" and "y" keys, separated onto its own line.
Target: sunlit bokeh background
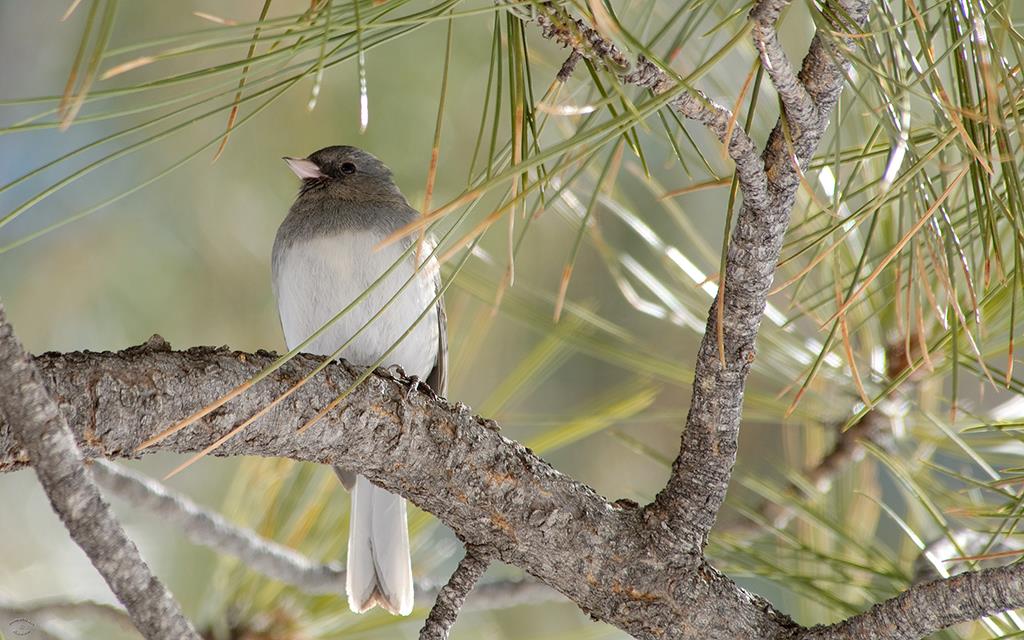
{"x": 602, "y": 392}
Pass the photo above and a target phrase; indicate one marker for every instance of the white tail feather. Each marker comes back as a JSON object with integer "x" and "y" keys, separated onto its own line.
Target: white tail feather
{"x": 379, "y": 566}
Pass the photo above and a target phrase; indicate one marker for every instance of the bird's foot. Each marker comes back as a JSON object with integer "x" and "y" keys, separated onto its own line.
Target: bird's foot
{"x": 415, "y": 383}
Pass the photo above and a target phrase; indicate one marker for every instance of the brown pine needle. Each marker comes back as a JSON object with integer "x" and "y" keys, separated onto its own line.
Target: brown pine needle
{"x": 899, "y": 246}
{"x": 988, "y": 556}
{"x": 785, "y": 390}
{"x": 72, "y": 107}
{"x": 947, "y": 283}
{"x": 435, "y": 154}
{"x": 563, "y": 287}
{"x": 231, "y": 122}
{"x": 320, "y": 414}
{"x": 202, "y": 454}
{"x": 1009, "y": 364}
{"x": 848, "y": 348}
{"x": 693, "y": 188}
{"x": 736, "y": 108}
{"x": 76, "y": 65}
{"x": 796, "y": 400}
{"x": 466, "y": 239}
{"x": 424, "y": 221}
{"x": 499, "y": 295}
{"x": 69, "y": 87}
{"x": 70, "y": 10}
{"x": 233, "y": 115}
{"x": 481, "y": 227}
{"x": 927, "y": 285}
{"x": 228, "y": 22}
{"x": 922, "y": 343}
{"x": 124, "y": 67}
{"x": 192, "y": 419}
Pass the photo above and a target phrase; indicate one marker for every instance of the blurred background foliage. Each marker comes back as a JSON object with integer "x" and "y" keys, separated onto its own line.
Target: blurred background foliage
{"x": 898, "y": 296}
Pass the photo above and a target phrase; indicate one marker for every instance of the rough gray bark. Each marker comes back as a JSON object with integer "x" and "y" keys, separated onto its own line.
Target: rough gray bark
{"x": 453, "y": 595}
{"x": 34, "y": 420}
{"x": 700, "y": 476}
{"x": 929, "y": 607}
{"x": 801, "y": 109}
{"x": 491, "y": 491}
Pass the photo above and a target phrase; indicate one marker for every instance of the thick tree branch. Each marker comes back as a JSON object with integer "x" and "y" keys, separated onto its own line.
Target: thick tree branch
{"x": 453, "y": 595}
{"x": 689, "y": 503}
{"x": 929, "y": 607}
{"x": 34, "y": 419}
{"x": 491, "y": 491}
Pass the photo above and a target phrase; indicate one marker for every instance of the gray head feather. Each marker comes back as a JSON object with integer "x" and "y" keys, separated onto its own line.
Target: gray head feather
{"x": 355, "y": 192}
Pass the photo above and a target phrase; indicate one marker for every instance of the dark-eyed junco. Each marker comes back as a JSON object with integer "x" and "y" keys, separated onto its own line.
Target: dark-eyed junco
{"x": 324, "y": 258}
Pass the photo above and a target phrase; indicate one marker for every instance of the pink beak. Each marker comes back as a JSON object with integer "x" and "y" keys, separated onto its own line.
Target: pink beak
{"x": 305, "y": 169}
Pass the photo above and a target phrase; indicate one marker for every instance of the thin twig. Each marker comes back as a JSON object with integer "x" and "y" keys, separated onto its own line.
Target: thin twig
{"x": 801, "y": 110}
{"x": 214, "y": 531}
{"x": 557, "y": 24}
{"x": 488, "y": 489}
{"x": 273, "y": 560}
{"x": 70, "y": 609}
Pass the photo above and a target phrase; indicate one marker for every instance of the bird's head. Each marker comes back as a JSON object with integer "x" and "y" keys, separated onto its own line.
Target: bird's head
{"x": 346, "y": 173}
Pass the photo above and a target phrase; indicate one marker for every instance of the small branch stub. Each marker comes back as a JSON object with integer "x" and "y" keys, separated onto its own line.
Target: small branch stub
{"x": 453, "y": 595}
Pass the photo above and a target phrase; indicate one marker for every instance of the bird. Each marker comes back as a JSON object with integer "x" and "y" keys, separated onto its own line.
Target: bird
{"x": 325, "y": 256}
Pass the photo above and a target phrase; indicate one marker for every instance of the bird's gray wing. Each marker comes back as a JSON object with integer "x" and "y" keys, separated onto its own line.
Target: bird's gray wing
{"x": 438, "y": 378}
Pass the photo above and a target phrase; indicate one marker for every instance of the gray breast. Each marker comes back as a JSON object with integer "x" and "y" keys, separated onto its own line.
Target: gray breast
{"x": 316, "y": 278}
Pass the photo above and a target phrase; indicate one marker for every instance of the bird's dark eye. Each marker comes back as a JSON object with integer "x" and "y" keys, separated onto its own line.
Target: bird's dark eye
{"x": 348, "y": 167}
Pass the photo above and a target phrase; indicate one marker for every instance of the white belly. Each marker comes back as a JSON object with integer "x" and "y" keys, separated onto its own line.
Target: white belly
{"x": 318, "y": 278}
